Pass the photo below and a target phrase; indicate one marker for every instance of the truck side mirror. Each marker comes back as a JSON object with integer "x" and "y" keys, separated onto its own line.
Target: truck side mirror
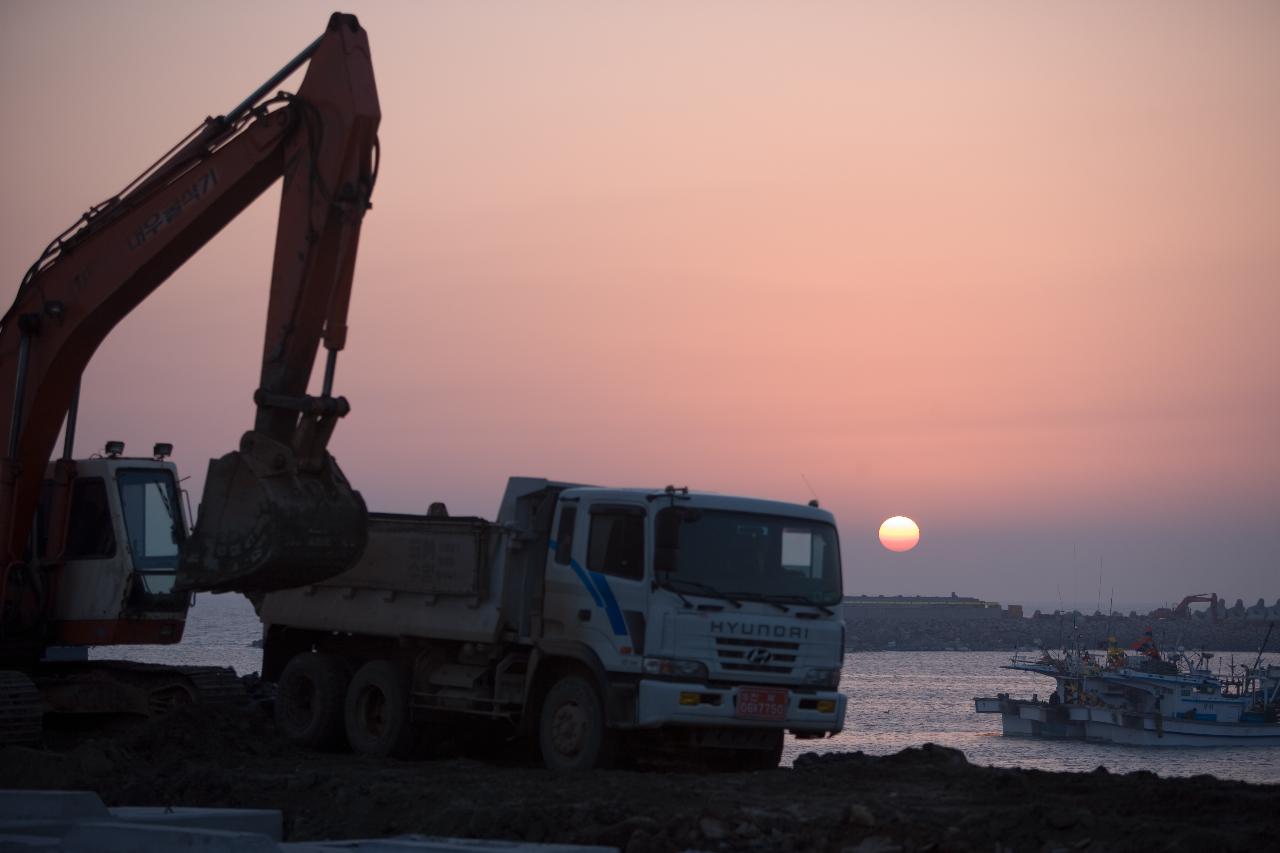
{"x": 564, "y": 550}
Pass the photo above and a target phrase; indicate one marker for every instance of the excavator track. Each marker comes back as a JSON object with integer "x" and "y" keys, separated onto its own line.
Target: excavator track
{"x": 135, "y": 689}
{"x": 216, "y": 685}
{"x": 20, "y": 709}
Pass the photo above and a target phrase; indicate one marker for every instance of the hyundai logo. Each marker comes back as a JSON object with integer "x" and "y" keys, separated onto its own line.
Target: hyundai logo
{"x": 759, "y": 656}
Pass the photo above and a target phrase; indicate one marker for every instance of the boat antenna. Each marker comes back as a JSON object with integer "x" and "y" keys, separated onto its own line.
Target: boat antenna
{"x": 1111, "y": 609}
{"x": 1062, "y": 643}
{"x": 1099, "y": 582}
{"x": 1258, "y": 660}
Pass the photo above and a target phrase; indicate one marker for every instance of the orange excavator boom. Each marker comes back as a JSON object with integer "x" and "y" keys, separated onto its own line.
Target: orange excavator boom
{"x": 277, "y": 512}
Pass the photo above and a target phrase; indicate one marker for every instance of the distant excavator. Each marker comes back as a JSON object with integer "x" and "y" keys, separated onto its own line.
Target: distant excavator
{"x": 96, "y": 551}
{"x": 1183, "y": 608}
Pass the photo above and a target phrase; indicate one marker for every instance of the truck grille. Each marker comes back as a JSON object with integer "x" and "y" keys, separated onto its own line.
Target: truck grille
{"x": 740, "y": 655}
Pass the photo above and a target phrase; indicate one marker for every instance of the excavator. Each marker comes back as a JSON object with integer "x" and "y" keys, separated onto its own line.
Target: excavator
{"x": 97, "y": 551}
{"x": 1183, "y": 610}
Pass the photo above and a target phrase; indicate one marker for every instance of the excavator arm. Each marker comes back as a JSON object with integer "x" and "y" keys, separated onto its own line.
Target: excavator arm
{"x": 277, "y": 512}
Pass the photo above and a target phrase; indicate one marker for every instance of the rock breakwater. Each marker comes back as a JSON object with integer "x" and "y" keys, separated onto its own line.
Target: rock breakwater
{"x": 1007, "y": 633}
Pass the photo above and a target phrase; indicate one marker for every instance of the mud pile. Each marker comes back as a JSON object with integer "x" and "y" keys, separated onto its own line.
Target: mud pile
{"x": 929, "y": 798}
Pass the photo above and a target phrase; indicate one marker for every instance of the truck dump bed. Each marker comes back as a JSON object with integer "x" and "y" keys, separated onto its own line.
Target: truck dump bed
{"x": 421, "y": 555}
{"x": 420, "y": 576}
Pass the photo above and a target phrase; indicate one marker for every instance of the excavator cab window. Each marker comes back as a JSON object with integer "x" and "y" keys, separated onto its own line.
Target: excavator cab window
{"x": 90, "y": 535}
{"x": 153, "y": 524}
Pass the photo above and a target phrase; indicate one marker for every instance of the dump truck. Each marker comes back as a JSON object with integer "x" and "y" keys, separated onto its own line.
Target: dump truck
{"x": 598, "y": 623}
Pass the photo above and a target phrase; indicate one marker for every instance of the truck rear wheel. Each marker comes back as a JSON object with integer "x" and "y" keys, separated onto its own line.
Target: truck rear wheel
{"x": 377, "y": 711}
{"x": 571, "y": 727}
{"x": 309, "y": 699}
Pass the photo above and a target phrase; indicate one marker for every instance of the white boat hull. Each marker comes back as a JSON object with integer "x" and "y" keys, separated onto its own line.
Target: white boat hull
{"x": 1021, "y": 718}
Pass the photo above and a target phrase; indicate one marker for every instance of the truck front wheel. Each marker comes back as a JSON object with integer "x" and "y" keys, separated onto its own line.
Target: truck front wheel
{"x": 763, "y": 759}
{"x": 377, "y": 711}
{"x": 309, "y": 697}
{"x": 765, "y": 754}
{"x": 571, "y": 727}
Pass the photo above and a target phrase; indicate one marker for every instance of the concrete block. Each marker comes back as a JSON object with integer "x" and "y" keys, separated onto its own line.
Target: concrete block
{"x": 117, "y": 837}
{"x": 268, "y": 822}
{"x": 67, "y": 654}
{"x": 35, "y": 828}
{"x": 28, "y": 843}
{"x": 431, "y": 844}
{"x": 51, "y": 805}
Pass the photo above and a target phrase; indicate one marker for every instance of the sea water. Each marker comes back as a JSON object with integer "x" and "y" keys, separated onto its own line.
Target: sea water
{"x": 896, "y": 700}
{"x": 902, "y": 699}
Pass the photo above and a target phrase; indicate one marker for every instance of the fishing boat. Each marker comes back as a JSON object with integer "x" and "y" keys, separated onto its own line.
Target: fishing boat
{"x": 1143, "y": 699}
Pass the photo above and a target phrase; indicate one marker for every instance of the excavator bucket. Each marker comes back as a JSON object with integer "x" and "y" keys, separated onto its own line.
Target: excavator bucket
{"x": 267, "y": 523}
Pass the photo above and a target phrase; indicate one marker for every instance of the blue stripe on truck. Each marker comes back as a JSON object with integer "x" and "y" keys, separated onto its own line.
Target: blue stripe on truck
{"x": 598, "y": 585}
{"x": 611, "y": 607}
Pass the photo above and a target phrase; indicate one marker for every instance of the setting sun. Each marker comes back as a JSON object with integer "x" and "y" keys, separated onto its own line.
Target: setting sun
{"x": 899, "y": 533}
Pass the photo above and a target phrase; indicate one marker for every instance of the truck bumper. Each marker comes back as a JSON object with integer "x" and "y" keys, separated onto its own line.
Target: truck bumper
{"x": 659, "y": 703}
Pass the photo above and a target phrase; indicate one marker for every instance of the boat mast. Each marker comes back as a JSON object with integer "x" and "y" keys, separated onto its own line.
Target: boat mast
{"x": 1252, "y": 675}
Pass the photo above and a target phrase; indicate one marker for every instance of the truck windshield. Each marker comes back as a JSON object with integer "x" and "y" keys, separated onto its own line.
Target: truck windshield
{"x": 748, "y": 556}
{"x": 149, "y": 503}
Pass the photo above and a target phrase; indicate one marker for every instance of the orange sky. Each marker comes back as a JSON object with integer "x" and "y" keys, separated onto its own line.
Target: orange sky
{"x": 1010, "y": 269}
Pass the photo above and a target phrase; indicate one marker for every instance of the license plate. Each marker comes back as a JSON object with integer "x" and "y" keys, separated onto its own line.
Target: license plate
{"x": 759, "y": 703}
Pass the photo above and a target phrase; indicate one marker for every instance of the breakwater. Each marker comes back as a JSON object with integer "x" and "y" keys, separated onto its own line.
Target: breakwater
{"x": 880, "y": 632}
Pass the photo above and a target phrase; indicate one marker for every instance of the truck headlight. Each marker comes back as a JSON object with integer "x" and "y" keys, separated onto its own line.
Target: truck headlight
{"x": 674, "y": 668}
{"x": 825, "y": 677}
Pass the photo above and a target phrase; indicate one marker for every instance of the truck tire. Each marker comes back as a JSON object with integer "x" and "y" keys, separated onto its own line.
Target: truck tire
{"x": 377, "y": 711}
{"x": 571, "y": 727}
{"x": 764, "y": 756}
{"x": 309, "y": 699}
{"x": 763, "y": 759}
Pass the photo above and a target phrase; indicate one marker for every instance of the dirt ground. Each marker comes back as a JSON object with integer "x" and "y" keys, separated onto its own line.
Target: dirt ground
{"x": 922, "y": 799}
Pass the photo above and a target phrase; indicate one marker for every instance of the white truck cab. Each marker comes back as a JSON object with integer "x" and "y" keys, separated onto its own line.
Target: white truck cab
{"x": 723, "y": 608}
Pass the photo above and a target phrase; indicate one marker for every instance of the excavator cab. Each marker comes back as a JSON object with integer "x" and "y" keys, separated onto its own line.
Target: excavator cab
{"x": 118, "y": 558}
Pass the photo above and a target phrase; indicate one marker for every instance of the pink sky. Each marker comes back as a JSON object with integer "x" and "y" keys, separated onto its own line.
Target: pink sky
{"x": 1010, "y": 269}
